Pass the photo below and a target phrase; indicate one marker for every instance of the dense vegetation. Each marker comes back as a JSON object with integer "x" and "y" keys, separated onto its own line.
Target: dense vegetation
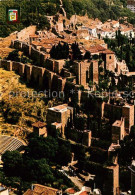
{"x": 101, "y": 9}
{"x": 60, "y": 51}
{"x": 39, "y": 164}
{"x": 124, "y": 49}
{"x": 34, "y": 11}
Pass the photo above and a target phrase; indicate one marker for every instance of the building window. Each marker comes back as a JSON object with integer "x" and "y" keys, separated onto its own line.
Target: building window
{"x": 110, "y": 57}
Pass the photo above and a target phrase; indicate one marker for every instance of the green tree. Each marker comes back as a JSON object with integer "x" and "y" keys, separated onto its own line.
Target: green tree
{"x": 40, "y": 147}
{"x": 64, "y": 155}
{"x": 12, "y": 163}
{"x": 60, "y": 51}
{"x": 14, "y": 56}
{"x": 76, "y": 51}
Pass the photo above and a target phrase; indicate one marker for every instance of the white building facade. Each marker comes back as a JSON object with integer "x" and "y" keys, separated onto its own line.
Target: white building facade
{"x": 131, "y": 5}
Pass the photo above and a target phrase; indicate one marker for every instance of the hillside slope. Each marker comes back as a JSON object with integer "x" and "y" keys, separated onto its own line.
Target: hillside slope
{"x": 18, "y": 107}
{"x": 35, "y": 11}
{"x": 102, "y": 9}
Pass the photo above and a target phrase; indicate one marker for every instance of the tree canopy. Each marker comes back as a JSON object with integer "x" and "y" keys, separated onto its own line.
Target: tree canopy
{"x": 35, "y": 12}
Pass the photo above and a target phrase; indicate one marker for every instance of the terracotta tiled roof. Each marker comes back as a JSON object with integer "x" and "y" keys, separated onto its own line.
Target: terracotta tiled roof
{"x": 34, "y": 36}
{"x": 70, "y": 191}
{"x": 39, "y": 124}
{"x": 114, "y": 22}
{"x": 96, "y": 48}
{"x": 41, "y": 190}
{"x": 28, "y": 192}
{"x": 107, "y": 51}
{"x": 84, "y": 193}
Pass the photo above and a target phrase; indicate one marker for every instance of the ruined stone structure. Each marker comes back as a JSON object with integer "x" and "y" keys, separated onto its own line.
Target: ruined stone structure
{"x": 118, "y": 130}
{"x": 46, "y": 79}
{"x": 6, "y": 65}
{"x": 87, "y": 137}
{"x": 39, "y": 76}
{"x": 25, "y": 33}
{"x": 59, "y": 116}
{"x": 128, "y": 113}
{"x": 40, "y": 128}
{"x": 86, "y": 71}
{"x": 109, "y": 59}
{"x": 108, "y": 56}
{"x": 115, "y": 112}
{"x": 112, "y": 179}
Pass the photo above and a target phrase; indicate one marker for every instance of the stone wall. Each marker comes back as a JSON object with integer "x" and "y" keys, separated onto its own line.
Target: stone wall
{"x": 112, "y": 112}
{"x": 59, "y": 64}
{"x": 6, "y": 65}
{"x": 17, "y": 45}
{"x": 86, "y": 71}
{"x": 35, "y": 55}
{"x": 18, "y": 68}
{"x": 26, "y": 49}
{"x": 95, "y": 71}
{"x": 128, "y": 113}
{"x": 118, "y": 130}
{"x": 27, "y": 73}
{"x": 26, "y": 32}
{"x": 36, "y": 75}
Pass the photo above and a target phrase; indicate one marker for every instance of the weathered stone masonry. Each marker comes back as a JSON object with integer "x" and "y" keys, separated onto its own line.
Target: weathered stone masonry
{"x": 43, "y": 78}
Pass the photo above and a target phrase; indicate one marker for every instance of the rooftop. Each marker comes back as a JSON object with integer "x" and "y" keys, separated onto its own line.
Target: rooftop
{"x": 59, "y": 108}
{"x": 117, "y": 123}
{"x": 70, "y": 191}
{"x": 107, "y": 51}
{"x": 41, "y": 190}
{"x": 84, "y": 193}
{"x": 39, "y": 124}
{"x": 9, "y": 143}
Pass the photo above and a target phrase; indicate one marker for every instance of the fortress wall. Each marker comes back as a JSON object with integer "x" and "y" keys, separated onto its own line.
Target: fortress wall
{"x": 112, "y": 112}
{"x": 58, "y": 83}
{"x": 48, "y": 77}
{"x": 6, "y": 65}
{"x": 37, "y": 75}
{"x": 55, "y": 83}
{"x": 61, "y": 84}
{"x": 17, "y": 44}
{"x": 18, "y": 67}
{"x": 21, "y": 69}
{"x": 49, "y": 80}
{"x": 59, "y": 64}
{"x": 49, "y": 64}
{"x": 28, "y": 71}
{"x": 117, "y": 112}
{"x": 95, "y": 71}
{"x": 25, "y": 49}
{"x": 15, "y": 66}
{"x": 38, "y": 56}
{"x": 26, "y": 32}
{"x": 35, "y": 55}
{"x": 43, "y": 58}
{"x": 108, "y": 110}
